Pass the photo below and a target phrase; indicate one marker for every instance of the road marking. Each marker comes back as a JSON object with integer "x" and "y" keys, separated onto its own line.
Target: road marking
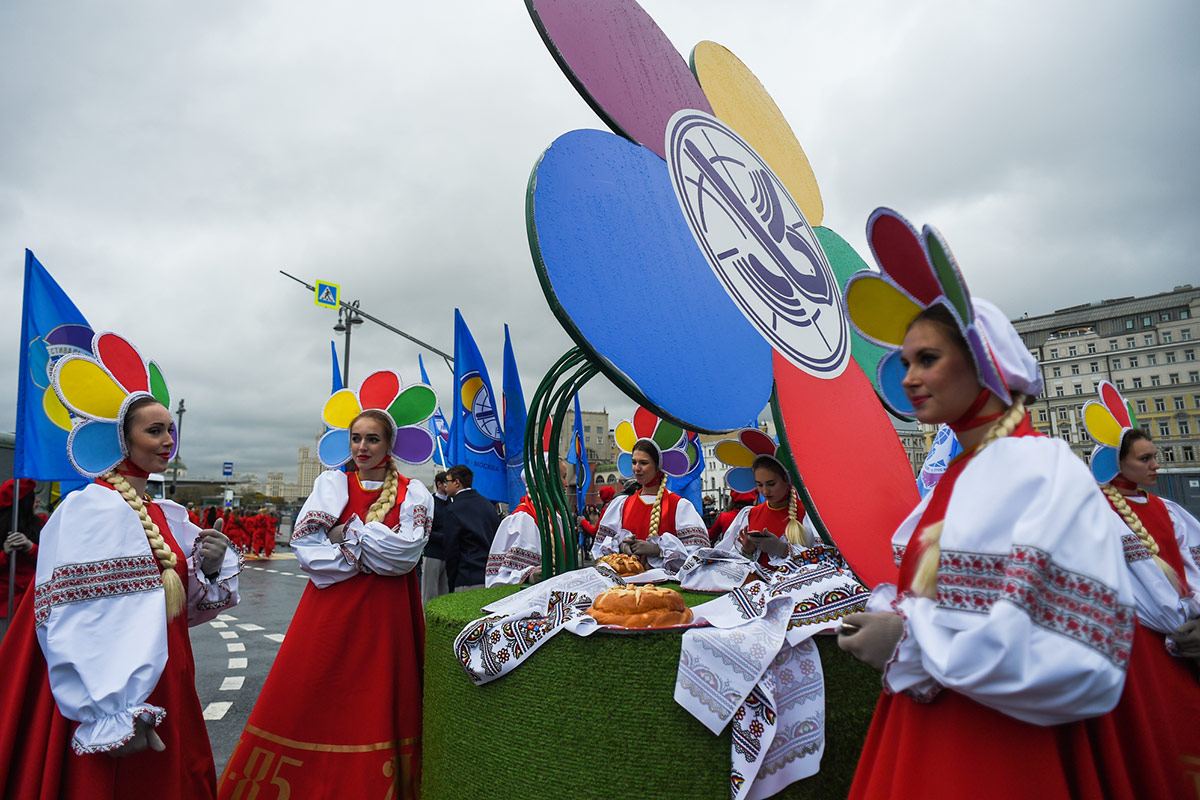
{"x": 219, "y": 624}
{"x": 237, "y": 663}
{"x": 274, "y": 637}
{"x": 226, "y": 618}
{"x": 250, "y": 626}
{"x": 217, "y": 710}
{"x": 260, "y": 569}
{"x": 235, "y": 647}
{"x": 233, "y": 684}
{"x": 271, "y": 570}
{"x": 229, "y": 634}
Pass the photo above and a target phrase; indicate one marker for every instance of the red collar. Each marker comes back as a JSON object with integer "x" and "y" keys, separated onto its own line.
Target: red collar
{"x": 131, "y": 470}
{"x": 971, "y": 418}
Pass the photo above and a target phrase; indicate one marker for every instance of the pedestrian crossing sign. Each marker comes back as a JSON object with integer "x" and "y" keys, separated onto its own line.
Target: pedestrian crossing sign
{"x": 328, "y": 294}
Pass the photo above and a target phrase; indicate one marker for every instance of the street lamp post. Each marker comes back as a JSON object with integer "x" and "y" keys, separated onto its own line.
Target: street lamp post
{"x": 348, "y": 317}
{"x": 178, "y": 433}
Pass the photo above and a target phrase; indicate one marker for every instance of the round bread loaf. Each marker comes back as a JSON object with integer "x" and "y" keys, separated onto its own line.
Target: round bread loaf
{"x": 641, "y": 607}
{"x": 623, "y": 564}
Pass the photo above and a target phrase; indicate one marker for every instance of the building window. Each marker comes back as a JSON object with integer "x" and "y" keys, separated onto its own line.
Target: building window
{"x": 1137, "y": 383}
{"x": 1041, "y": 415}
{"x": 1164, "y": 316}
{"x": 1178, "y": 403}
{"x": 1071, "y": 350}
{"x": 1112, "y": 344}
{"x": 1074, "y": 369}
{"x": 1091, "y": 347}
{"x": 1189, "y": 354}
{"x": 1129, "y": 341}
{"x": 587, "y": 428}
{"x": 1164, "y": 427}
{"x": 1160, "y": 404}
{"x": 1057, "y": 372}
{"x": 1146, "y": 321}
{"x": 1141, "y": 406}
{"x": 1116, "y": 363}
{"x": 1185, "y": 427}
{"x": 1120, "y": 385}
{"x": 1148, "y": 339}
{"x": 1174, "y": 377}
{"x": 1054, "y": 352}
{"x": 1078, "y": 389}
{"x": 1167, "y": 455}
{"x": 1184, "y": 314}
{"x": 1194, "y": 377}
{"x": 1094, "y": 366}
{"x": 1154, "y": 381}
{"x": 1166, "y": 337}
{"x": 1185, "y": 335}
{"x": 1128, "y": 324}
{"x": 1151, "y": 359}
{"x": 1133, "y": 362}
{"x": 1064, "y": 414}
{"x": 1189, "y": 454}
{"x": 1171, "y": 357}
{"x": 1058, "y": 391}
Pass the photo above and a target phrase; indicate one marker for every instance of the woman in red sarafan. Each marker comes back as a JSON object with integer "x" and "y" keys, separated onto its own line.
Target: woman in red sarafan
{"x": 340, "y": 713}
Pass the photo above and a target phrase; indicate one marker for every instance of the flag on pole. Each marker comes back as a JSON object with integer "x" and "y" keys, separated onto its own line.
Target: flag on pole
{"x": 437, "y": 424}
{"x": 577, "y": 455}
{"x": 51, "y": 327}
{"x": 337, "y": 372}
{"x": 689, "y": 486}
{"x": 514, "y": 425}
{"x": 476, "y": 439}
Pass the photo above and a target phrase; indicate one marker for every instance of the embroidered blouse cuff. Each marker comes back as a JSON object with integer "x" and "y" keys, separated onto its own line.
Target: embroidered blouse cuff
{"x": 109, "y": 732}
{"x": 904, "y": 671}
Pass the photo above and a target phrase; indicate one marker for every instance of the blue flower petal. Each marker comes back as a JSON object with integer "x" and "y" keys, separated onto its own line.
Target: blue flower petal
{"x": 334, "y": 447}
{"x": 94, "y": 447}
{"x": 625, "y": 465}
{"x": 741, "y": 479}
{"x": 1105, "y": 464}
{"x": 891, "y": 373}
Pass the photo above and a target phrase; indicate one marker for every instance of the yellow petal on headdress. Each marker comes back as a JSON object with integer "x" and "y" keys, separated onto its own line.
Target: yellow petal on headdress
{"x": 88, "y": 389}
{"x": 56, "y": 412}
{"x": 739, "y": 100}
{"x": 1101, "y": 425}
{"x": 340, "y": 409}
{"x": 735, "y": 454}
{"x": 625, "y": 436}
{"x": 879, "y": 310}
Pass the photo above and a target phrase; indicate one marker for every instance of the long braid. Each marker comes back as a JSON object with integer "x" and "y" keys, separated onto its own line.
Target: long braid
{"x": 387, "y": 495}
{"x": 172, "y": 585}
{"x": 656, "y": 512}
{"x": 795, "y": 531}
{"x": 1135, "y": 524}
{"x": 924, "y": 581}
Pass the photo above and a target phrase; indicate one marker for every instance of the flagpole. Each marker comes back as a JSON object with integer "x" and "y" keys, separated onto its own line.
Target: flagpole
{"x": 12, "y": 557}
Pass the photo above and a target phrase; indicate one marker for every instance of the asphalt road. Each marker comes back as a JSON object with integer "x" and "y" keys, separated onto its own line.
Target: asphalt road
{"x": 234, "y": 652}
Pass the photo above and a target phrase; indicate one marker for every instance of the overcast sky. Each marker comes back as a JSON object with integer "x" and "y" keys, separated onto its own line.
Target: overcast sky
{"x": 165, "y": 160}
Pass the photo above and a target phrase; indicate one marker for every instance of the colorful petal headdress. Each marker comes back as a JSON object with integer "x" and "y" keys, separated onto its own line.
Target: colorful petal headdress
{"x": 916, "y": 272}
{"x": 406, "y": 408}
{"x": 740, "y": 452}
{"x": 98, "y": 390}
{"x": 676, "y": 455}
{"x": 1107, "y": 421}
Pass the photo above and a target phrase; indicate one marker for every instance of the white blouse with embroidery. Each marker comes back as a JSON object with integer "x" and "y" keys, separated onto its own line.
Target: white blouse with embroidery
{"x": 516, "y": 551}
{"x": 690, "y": 533}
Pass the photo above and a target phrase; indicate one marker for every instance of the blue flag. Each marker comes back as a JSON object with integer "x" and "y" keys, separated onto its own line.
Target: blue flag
{"x": 689, "y": 486}
{"x": 51, "y": 327}
{"x": 437, "y": 424}
{"x": 337, "y": 373}
{"x": 514, "y": 425}
{"x": 476, "y": 439}
{"x": 577, "y": 455}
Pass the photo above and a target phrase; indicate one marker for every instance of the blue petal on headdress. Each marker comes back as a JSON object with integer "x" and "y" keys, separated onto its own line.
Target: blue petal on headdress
{"x": 741, "y": 479}
{"x": 625, "y": 465}
{"x": 334, "y": 447}
{"x": 891, "y": 375}
{"x": 1105, "y": 464}
{"x": 94, "y": 447}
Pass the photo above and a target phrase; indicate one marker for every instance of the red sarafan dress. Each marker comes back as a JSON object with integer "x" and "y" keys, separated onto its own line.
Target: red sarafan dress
{"x": 104, "y": 623}
{"x": 1000, "y": 687}
{"x": 762, "y": 517}
{"x": 1161, "y": 702}
{"x": 680, "y": 528}
{"x": 340, "y": 714}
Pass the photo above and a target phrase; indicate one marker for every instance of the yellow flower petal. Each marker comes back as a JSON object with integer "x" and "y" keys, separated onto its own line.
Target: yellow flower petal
{"x": 340, "y": 409}
{"x": 88, "y": 389}
{"x": 1101, "y": 424}
{"x": 735, "y": 454}
{"x": 625, "y": 436}
{"x": 879, "y": 310}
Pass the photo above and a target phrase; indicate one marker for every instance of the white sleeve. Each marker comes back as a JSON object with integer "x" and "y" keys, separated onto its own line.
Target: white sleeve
{"x": 385, "y": 551}
{"x": 1034, "y": 611}
{"x": 100, "y": 616}
{"x": 1159, "y": 606}
{"x": 325, "y": 562}
{"x": 728, "y": 540}
{"x": 690, "y": 535}
{"x": 1187, "y": 533}
{"x": 609, "y": 531}
{"x": 205, "y": 598}
{"x": 516, "y": 551}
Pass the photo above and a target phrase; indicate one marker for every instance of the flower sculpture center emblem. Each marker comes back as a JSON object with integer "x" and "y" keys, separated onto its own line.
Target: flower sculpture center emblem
{"x": 758, "y": 243}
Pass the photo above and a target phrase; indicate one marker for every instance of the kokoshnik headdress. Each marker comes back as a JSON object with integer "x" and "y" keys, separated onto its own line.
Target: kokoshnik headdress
{"x": 405, "y": 408}
{"x": 98, "y": 391}
{"x": 740, "y": 452}
{"x": 1107, "y": 421}
{"x": 918, "y": 271}
{"x": 676, "y": 454}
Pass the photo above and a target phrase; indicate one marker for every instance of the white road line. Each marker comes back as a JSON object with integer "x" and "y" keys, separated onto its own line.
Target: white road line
{"x": 271, "y": 570}
{"x": 250, "y": 626}
{"x": 226, "y": 618}
{"x": 260, "y": 569}
{"x": 235, "y": 647}
{"x": 233, "y": 684}
{"x": 219, "y": 624}
{"x": 274, "y": 637}
{"x": 229, "y": 634}
{"x": 217, "y": 710}
{"x": 237, "y": 663}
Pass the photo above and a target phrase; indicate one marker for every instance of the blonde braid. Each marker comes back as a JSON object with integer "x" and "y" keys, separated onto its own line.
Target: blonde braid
{"x": 172, "y": 585}
{"x": 924, "y": 583}
{"x": 387, "y": 495}
{"x": 656, "y": 512}
{"x": 1135, "y": 524}
{"x": 795, "y": 531}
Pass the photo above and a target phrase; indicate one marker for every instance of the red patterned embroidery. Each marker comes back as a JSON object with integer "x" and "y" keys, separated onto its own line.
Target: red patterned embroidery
{"x": 1195, "y": 551}
{"x": 421, "y": 519}
{"x": 1134, "y": 549}
{"x": 313, "y": 522}
{"x": 78, "y": 583}
{"x": 898, "y": 553}
{"x": 1057, "y": 599}
{"x": 693, "y": 537}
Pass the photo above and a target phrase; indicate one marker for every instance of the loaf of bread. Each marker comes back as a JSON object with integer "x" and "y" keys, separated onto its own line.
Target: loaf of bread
{"x": 640, "y": 607}
{"x": 622, "y": 564}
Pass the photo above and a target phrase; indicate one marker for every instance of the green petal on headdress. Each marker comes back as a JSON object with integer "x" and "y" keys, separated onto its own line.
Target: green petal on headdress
{"x": 413, "y": 405}
{"x": 158, "y": 385}
{"x": 948, "y": 276}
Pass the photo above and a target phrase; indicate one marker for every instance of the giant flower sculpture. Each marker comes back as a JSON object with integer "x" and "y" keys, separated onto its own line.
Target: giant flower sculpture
{"x": 679, "y": 253}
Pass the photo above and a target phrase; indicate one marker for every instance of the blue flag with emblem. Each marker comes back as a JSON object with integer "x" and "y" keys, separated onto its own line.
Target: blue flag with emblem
{"x": 51, "y": 327}
{"x": 689, "y": 486}
{"x": 337, "y": 372}
{"x": 476, "y": 438}
{"x": 577, "y": 455}
{"x": 514, "y": 425}
{"x": 437, "y": 424}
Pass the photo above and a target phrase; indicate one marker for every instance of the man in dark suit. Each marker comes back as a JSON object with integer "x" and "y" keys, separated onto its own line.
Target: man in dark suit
{"x": 470, "y": 525}
{"x": 434, "y": 581}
